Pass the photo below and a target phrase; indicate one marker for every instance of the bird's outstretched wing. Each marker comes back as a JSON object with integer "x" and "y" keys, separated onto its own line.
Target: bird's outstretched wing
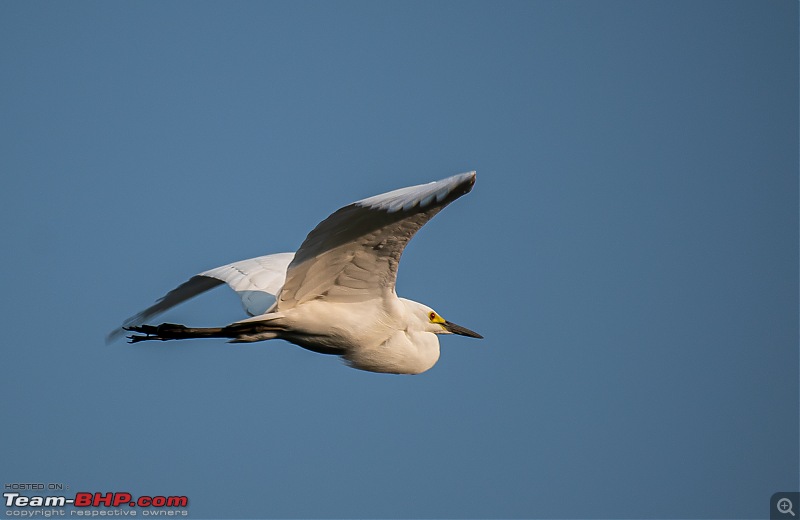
{"x": 353, "y": 254}
{"x": 256, "y": 280}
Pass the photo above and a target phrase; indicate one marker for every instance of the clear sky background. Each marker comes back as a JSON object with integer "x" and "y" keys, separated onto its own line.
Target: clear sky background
{"x": 630, "y": 252}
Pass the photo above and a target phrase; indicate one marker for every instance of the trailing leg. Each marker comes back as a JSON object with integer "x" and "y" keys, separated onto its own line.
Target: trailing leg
{"x": 169, "y": 331}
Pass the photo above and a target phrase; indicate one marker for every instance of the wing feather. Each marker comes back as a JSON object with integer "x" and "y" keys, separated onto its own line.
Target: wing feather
{"x": 353, "y": 255}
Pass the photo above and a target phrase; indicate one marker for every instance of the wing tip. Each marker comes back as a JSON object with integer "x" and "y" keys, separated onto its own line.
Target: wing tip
{"x": 463, "y": 185}
{"x": 469, "y": 179}
{"x": 442, "y": 192}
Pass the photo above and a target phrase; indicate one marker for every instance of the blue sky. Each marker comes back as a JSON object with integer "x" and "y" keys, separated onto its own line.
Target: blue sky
{"x": 630, "y": 252}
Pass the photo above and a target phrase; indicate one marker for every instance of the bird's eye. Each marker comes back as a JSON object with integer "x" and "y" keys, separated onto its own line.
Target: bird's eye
{"x": 432, "y": 316}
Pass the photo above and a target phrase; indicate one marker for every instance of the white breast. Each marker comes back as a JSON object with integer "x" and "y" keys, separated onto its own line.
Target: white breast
{"x": 402, "y": 353}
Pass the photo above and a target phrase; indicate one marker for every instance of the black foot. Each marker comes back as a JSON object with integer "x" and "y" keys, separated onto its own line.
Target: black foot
{"x": 167, "y": 331}
{"x": 163, "y": 332}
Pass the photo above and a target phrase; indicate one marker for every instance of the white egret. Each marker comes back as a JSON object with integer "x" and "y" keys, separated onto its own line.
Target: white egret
{"x": 336, "y": 294}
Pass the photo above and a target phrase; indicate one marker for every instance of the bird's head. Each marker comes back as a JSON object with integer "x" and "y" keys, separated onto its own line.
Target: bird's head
{"x": 430, "y": 321}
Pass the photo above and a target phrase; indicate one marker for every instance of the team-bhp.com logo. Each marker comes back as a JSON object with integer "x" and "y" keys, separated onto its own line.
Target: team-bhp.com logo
{"x": 95, "y": 500}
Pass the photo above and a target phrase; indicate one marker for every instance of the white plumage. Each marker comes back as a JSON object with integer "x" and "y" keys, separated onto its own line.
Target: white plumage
{"x": 336, "y": 294}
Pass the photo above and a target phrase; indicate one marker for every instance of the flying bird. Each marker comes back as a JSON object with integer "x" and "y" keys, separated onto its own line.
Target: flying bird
{"x": 336, "y": 294}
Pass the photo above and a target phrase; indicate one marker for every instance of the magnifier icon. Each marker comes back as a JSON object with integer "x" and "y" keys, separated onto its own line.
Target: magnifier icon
{"x": 785, "y": 506}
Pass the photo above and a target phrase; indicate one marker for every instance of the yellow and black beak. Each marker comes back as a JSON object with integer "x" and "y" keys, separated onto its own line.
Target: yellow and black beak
{"x": 449, "y": 326}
